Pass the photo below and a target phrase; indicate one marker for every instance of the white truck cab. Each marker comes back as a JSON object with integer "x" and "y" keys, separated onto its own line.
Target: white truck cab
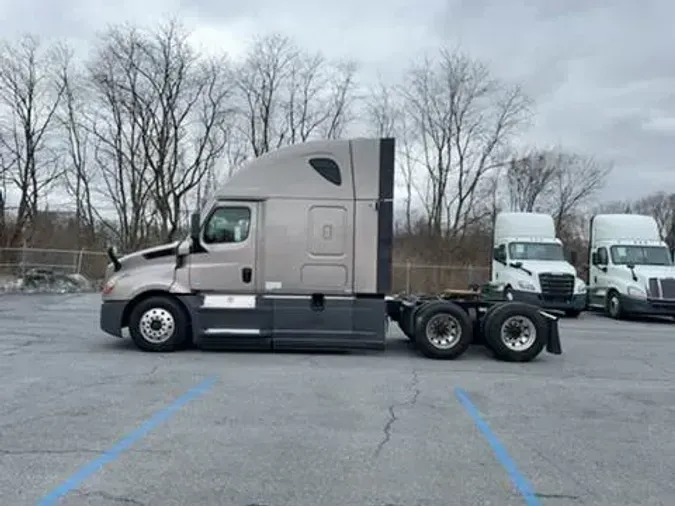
{"x": 631, "y": 270}
{"x": 529, "y": 264}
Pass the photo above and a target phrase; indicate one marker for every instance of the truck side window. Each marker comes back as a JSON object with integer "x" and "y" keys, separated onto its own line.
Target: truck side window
{"x": 602, "y": 256}
{"x": 500, "y": 253}
{"x": 327, "y": 169}
{"x": 228, "y": 225}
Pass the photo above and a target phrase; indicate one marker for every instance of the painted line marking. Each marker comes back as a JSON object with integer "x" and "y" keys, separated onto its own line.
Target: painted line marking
{"x": 125, "y": 443}
{"x": 518, "y": 480}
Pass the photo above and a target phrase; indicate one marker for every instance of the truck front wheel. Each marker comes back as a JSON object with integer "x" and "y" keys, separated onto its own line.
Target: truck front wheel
{"x": 613, "y": 305}
{"x": 158, "y": 324}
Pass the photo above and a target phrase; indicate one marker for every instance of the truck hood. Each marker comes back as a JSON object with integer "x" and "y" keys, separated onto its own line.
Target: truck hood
{"x": 162, "y": 254}
{"x": 538, "y": 266}
{"x": 644, "y": 272}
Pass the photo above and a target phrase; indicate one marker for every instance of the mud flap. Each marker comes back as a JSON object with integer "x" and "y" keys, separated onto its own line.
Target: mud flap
{"x": 553, "y": 345}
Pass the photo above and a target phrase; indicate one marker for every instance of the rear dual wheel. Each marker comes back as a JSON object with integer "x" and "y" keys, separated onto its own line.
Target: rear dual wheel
{"x": 443, "y": 330}
{"x": 515, "y": 331}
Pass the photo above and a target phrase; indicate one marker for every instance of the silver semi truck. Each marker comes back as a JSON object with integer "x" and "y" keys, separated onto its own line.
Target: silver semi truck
{"x": 295, "y": 252}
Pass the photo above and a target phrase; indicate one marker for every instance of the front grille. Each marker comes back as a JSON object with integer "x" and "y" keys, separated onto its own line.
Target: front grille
{"x": 556, "y": 287}
{"x": 662, "y": 288}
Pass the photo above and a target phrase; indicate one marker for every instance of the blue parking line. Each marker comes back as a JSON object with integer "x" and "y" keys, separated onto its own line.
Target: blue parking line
{"x": 518, "y": 480}
{"x": 125, "y": 443}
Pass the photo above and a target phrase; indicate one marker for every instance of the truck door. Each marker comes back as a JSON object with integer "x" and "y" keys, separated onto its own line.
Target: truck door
{"x": 598, "y": 281}
{"x": 498, "y": 262}
{"x": 229, "y": 236}
{"x": 223, "y": 272}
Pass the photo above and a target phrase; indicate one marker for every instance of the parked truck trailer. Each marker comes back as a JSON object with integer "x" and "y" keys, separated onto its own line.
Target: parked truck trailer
{"x": 295, "y": 252}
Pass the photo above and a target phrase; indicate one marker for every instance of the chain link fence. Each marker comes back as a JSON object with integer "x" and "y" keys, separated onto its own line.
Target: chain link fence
{"x": 61, "y": 270}
{"x": 409, "y": 277}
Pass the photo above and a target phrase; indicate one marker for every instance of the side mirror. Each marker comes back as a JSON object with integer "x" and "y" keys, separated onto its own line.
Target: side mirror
{"x": 594, "y": 258}
{"x": 499, "y": 255}
{"x": 573, "y": 257}
{"x": 194, "y": 227}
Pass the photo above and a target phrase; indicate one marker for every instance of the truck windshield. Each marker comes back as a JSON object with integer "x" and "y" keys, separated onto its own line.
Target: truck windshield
{"x": 640, "y": 255}
{"x": 536, "y": 251}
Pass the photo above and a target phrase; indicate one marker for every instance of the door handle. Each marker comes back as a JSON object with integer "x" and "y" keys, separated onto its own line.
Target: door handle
{"x": 246, "y": 274}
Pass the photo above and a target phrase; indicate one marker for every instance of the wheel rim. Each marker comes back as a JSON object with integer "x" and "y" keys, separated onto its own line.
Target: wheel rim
{"x": 518, "y": 333}
{"x": 157, "y": 325}
{"x": 443, "y": 331}
{"x": 614, "y": 305}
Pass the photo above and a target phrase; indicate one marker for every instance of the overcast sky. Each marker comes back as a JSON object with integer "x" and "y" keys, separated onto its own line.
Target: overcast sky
{"x": 601, "y": 71}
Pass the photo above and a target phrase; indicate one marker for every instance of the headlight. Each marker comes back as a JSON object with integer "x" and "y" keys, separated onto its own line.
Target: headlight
{"x": 526, "y": 285}
{"x": 581, "y": 287}
{"x": 637, "y": 292}
{"x": 109, "y": 286}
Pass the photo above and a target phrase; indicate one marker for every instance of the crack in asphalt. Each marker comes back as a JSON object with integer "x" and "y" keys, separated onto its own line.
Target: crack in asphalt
{"x": 393, "y": 417}
{"x": 110, "y": 497}
{"x": 542, "y": 495}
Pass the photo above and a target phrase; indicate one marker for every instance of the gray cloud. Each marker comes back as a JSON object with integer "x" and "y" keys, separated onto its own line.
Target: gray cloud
{"x": 601, "y": 72}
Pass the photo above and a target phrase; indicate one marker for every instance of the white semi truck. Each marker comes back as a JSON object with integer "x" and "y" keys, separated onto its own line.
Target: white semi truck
{"x": 631, "y": 270}
{"x": 529, "y": 265}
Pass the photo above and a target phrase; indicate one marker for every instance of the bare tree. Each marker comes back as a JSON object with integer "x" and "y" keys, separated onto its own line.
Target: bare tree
{"x": 577, "y": 178}
{"x": 464, "y": 119}
{"x": 29, "y": 98}
{"x": 260, "y": 80}
{"x": 614, "y": 207}
{"x": 289, "y": 95}
{"x": 382, "y": 112}
{"x": 79, "y": 177}
{"x": 167, "y": 122}
{"x": 118, "y": 127}
{"x": 385, "y": 117}
{"x": 491, "y": 200}
{"x": 530, "y": 179}
{"x": 661, "y": 206}
{"x": 187, "y": 103}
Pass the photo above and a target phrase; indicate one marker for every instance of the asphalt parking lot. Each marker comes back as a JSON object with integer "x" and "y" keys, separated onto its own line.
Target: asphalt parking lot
{"x": 86, "y": 419}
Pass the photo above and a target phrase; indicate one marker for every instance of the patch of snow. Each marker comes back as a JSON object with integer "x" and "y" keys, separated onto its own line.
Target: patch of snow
{"x": 46, "y": 281}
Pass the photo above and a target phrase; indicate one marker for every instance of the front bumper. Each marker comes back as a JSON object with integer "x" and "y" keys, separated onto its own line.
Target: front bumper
{"x": 111, "y": 317}
{"x": 576, "y": 303}
{"x": 652, "y": 307}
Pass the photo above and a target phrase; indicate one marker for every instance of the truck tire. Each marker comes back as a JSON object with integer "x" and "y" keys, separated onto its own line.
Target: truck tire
{"x": 487, "y": 314}
{"x": 443, "y": 330}
{"x": 159, "y": 324}
{"x": 572, "y": 313}
{"x": 613, "y": 307}
{"x": 515, "y": 332}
